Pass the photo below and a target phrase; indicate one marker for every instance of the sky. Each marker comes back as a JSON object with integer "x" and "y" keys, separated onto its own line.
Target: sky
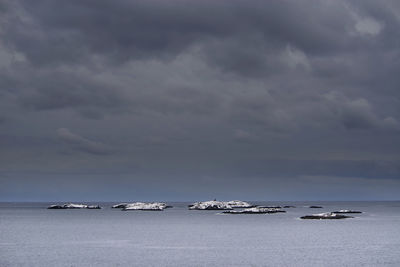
{"x": 195, "y": 100}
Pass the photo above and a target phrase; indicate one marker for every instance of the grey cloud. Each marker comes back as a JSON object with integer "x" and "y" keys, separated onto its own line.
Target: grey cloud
{"x": 243, "y": 136}
{"x": 359, "y": 114}
{"x": 369, "y": 26}
{"x": 60, "y": 90}
{"x": 260, "y": 110}
{"x": 83, "y": 144}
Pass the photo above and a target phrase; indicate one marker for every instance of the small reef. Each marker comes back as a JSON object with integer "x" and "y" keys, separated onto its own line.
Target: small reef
{"x": 119, "y": 206}
{"x": 210, "y": 205}
{"x": 74, "y": 206}
{"x": 146, "y": 206}
{"x": 254, "y": 210}
{"x": 239, "y": 204}
{"x": 347, "y": 211}
{"x": 325, "y": 216}
{"x": 270, "y": 207}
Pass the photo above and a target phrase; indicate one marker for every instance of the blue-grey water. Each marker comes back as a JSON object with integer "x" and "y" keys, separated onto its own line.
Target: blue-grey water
{"x": 31, "y": 235}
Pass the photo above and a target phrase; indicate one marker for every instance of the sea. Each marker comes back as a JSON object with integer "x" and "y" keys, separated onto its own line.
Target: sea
{"x": 32, "y": 235}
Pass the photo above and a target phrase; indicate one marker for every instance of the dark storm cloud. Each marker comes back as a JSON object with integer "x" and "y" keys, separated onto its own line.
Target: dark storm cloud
{"x": 63, "y": 90}
{"x": 241, "y": 36}
{"x": 82, "y": 143}
{"x": 129, "y": 30}
{"x": 197, "y": 93}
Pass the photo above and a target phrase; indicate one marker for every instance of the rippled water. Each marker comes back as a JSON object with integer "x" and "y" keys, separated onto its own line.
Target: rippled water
{"x": 31, "y": 235}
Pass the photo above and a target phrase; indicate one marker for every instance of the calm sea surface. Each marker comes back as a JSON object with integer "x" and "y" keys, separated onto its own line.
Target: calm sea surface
{"x": 31, "y": 235}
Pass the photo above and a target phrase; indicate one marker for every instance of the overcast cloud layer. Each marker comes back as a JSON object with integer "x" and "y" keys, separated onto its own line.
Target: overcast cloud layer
{"x": 186, "y": 100}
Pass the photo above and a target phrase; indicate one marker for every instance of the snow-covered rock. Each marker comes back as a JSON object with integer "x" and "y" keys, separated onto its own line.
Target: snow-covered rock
{"x": 347, "y": 211}
{"x": 156, "y": 206}
{"x": 254, "y": 210}
{"x": 239, "y": 204}
{"x": 326, "y": 215}
{"x": 75, "y": 206}
{"x": 210, "y": 205}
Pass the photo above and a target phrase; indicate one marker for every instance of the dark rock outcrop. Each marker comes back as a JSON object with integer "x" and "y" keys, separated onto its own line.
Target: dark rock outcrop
{"x": 119, "y": 206}
{"x": 270, "y": 207}
{"x": 347, "y": 211}
{"x": 325, "y": 216}
{"x": 93, "y": 207}
{"x": 74, "y": 206}
{"x": 57, "y": 207}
